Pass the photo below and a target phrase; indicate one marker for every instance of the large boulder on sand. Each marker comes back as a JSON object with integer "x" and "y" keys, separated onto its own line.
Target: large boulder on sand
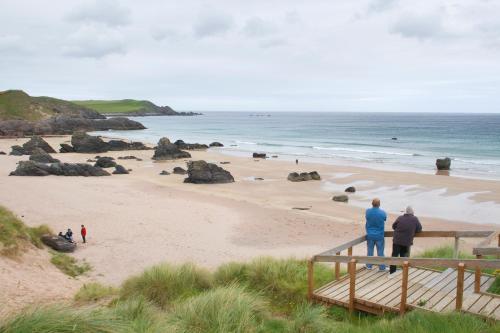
{"x": 350, "y": 189}
{"x": 58, "y": 243}
{"x": 340, "y": 198}
{"x": 40, "y": 155}
{"x": 17, "y": 151}
{"x": 37, "y": 142}
{"x": 84, "y": 143}
{"x": 201, "y": 172}
{"x": 65, "y": 148}
{"x": 443, "y": 163}
{"x": 120, "y": 170}
{"x": 190, "y": 146}
{"x": 31, "y": 168}
{"x": 165, "y": 150}
{"x": 105, "y": 162}
{"x": 304, "y": 176}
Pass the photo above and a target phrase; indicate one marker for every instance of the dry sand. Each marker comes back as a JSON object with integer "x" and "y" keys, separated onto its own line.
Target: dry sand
{"x": 141, "y": 219}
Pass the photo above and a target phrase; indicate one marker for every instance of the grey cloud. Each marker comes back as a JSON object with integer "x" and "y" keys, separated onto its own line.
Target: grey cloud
{"x": 94, "y": 42}
{"x": 108, "y": 12}
{"x": 160, "y": 34}
{"x": 292, "y": 17}
{"x": 12, "y": 44}
{"x": 377, "y": 6}
{"x": 420, "y": 27}
{"x": 273, "y": 42}
{"x": 257, "y": 27}
{"x": 211, "y": 23}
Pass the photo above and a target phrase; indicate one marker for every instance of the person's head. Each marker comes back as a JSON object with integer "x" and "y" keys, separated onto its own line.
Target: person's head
{"x": 409, "y": 210}
{"x": 83, "y": 226}
{"x": 376, "y": 202}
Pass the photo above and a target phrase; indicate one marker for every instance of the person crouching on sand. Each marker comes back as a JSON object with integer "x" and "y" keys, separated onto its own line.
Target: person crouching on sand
{"x": 83, "y": 232}
{"x": 375, "y": 220}
{"x": 405, "y": 228}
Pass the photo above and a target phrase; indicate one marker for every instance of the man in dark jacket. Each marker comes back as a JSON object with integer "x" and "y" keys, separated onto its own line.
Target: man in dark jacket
{"x": 405, "y": 228}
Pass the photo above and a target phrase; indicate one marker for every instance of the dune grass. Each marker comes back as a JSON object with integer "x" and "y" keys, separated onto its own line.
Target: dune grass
{"x": 165, "y": 283}
{"x": 69, "y": 265}
{"x": 14, "y": 233}
{"x": 117, "y": 106}
{"x": 93, "y": 292}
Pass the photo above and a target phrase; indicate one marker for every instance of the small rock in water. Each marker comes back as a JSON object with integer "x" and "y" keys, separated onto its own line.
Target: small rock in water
{"x": 216, "y": 144}
{"x": 394, "y": 138}
{"x": 274, "y": 156}
{"x": 259, "y": 155}
{"x": 164, "y": 173}
{"x": 340, "y": 198}
{"x": 350, "y": 189}
{"x": 443, "y": 163}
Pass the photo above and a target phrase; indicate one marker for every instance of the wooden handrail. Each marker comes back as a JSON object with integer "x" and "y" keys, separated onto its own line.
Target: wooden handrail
{"x": 344, "y": 246}
{"x": 425, "y": 262}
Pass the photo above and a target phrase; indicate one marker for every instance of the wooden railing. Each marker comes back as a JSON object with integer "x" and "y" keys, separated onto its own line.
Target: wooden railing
{"x": 483, "y": 248}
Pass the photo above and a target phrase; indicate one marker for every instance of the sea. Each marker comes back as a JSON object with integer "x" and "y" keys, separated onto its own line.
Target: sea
{"x": 389, "y": 141}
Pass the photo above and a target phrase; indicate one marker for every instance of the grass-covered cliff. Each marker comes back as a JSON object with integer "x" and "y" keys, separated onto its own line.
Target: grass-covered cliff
{"x": 130, "y": 107}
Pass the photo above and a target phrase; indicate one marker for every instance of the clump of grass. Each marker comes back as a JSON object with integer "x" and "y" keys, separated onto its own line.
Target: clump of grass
{"x": 69, "y": 265}
{"x": 308, "y": 318}
{"x": 141, "y": 315}
{"x": 223, "y": 309}
{"x": 165, "y": 283}
{"x": 283, "y": 281}
{"x": 14, "y": 233}
{"x": 93, "y": 292}
{"x": 444, "y": 251}
{"x": 62, "y": 319}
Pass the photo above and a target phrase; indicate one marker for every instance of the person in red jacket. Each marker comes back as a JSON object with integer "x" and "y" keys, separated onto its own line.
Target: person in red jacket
{"x": 83, "y": 232}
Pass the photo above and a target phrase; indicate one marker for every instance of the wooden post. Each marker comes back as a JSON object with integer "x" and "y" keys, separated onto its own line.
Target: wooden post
{"x": 404, "y": 289}
{"x": 337, "y": 269}
{"x": 349, "y": 251}
{"x": 352, "y": 284}
{"x": 460, "y": 286}
{"x": 310, "y": 279}
{"x": 477, "y": 277}
{"x": 455, "y": 249}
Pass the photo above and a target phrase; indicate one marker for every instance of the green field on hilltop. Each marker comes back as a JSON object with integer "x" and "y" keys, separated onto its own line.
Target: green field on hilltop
{"x": 118, "y": 106}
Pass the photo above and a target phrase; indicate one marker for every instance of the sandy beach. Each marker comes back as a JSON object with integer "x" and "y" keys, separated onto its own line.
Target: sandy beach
{"x": 141, "y": 219}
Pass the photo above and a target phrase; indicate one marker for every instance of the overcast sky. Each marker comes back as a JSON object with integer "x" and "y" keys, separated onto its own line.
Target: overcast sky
{"x": 332, "y": 55}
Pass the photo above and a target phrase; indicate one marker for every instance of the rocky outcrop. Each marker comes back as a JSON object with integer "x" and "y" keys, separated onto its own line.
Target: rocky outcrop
{"x": 340, "y": 198}
{"x": 190, "y": 146}
{"x": 304, "y": 176}
{"x": 165, "y": 150}
{"x": 120, "y": 170}
{"x": 37, "y": 142}
{"x": 201, "y": 172}
{"x": 41, "y": 156}
{"x": 31, "y": 168}
{"x": 216, "y": 144}
{"x": 179, "y": 171}
{"x": 66, "y": 148}
{"x": 118, "y": 145}
{"x": 84, "y": 143}
{"x": 64, "y": 124}
{"x": 443, "y": 163}
{"x": 17, "y": 151}
{"x": 58, "y": 243}
{"x": 259, "y": 155}
{"x": 350, "y": 189}
{"x": 105, "y": 162}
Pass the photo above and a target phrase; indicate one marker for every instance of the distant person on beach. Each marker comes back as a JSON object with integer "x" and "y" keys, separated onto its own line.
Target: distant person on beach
{"x": 69, "y": 235}
{"x": 296, "y": 161}
{"x": 375, "y": 220}
{"x": 405, "y": 227}
{"x": 83, "y": 232}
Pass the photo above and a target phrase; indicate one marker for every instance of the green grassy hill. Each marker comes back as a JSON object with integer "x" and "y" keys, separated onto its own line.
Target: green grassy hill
{"x": 16, "y": 104}
{"x": 126, "y": 107}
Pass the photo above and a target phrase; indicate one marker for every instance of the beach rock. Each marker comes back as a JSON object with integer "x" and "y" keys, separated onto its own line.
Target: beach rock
{"x": 189, "y": 146}
{"x": 17, "y": 151}
{"x": 216, "y": 144}
{"x": 128, "y": 158}
{"x": 350, "y": 189}
{"x": 66, "y": 148}
{"x": 201, "y": 172}
{"x": 304, "y": 176}
{"x": 91, "y": 160}
{"x": 179, "y": 171}
{"x": 164, "y": 173}
{"x": 274, "y": 156}
{"x": 120, "y": 170}
{"x": 105, "y": 162}
{"x": 443, "y": 163}
{"x": 40, "y": 155}
{"x": 340, "y": 198}
{"x": 84, "y": 143}
{"x": 224, "y": 162}
{"x": 118, "y": 145}
{"x": 165, "y": 150}
{"x": 32, "y": 168}
{"x": 37, "y": 142}
{"x": 259, "y": 155}
{"x": 58, "y": 243}
{"x": 258, "y": 178}
{"x": 2, "y": 153}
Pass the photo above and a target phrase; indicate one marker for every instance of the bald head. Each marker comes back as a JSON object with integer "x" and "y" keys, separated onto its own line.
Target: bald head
{"x": 376, "y": 202}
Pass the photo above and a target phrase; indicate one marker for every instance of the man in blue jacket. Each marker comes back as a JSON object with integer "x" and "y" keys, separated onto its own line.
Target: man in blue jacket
{"x": 375, "y": 220}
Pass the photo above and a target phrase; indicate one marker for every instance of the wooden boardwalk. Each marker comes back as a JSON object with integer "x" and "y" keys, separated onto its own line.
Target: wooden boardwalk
{"x": 427, "y": 289}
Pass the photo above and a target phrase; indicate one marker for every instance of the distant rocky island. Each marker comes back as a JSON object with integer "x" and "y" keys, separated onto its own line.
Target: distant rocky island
{"x": 131, "y": 108}
{"x": 25, "y": 115}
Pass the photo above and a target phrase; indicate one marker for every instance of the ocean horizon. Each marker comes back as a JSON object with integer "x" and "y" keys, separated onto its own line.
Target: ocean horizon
{"x": 389, "y": 141}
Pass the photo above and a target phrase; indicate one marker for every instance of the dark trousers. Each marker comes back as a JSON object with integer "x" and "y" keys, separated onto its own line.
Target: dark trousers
{"x": 83, "y": 238}
{"x": 399, "y": 251}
